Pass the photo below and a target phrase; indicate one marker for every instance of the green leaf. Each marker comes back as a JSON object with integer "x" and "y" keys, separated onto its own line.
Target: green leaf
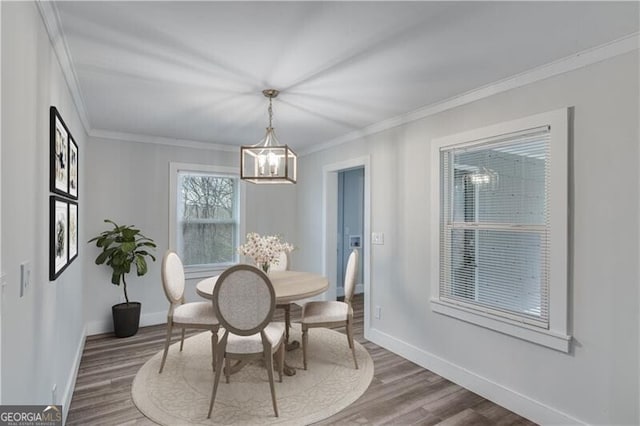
{"x": 115, "y": 278}
{"x": 118, "y": 258}
{"x": 128, "y": 247}
{"x": 104, "y": 256}
{"x": 105, "y": 242}
{"x": 141, "y": 265}
{"x": 129, "y": 234}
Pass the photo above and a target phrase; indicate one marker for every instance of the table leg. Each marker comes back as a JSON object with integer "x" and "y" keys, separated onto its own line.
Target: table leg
{"x": 287, "y": 326}
{"x": 289, "y": 346}
{"x": 288, "y": 370}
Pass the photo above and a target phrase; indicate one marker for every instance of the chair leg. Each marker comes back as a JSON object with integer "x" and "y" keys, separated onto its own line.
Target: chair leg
{"x": 280, "y": 353}
{"x": 182, "y": 340}
{"x": 350, "y": 337}
{"x": 214, "y": 345}
{"x": 166, "y": 345}
{"x": 216, "y": 380}
{"x": 305, "y": 338}
{"x": 268, "y": 360}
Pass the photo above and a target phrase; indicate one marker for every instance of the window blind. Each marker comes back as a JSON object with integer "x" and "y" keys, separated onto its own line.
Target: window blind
{"x": 494, "y": 225}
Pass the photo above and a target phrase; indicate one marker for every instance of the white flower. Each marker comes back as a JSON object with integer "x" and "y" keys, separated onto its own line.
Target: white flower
{"x": 264, "y": 250}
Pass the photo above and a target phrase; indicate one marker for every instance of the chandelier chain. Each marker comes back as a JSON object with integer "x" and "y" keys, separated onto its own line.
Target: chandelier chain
{"x": 270, "y": 112}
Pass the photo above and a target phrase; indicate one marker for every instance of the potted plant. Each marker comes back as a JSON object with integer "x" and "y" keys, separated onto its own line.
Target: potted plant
{"x": 122, "y": 247}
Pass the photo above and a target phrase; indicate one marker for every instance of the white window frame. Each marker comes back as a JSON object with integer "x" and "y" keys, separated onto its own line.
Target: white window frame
{"x": 202, "y": 271}
{"x": 556, "y": 336}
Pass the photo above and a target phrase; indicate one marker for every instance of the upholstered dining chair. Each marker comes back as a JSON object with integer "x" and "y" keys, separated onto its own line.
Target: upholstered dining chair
{"x": 332, "y": 313}
{"x": 197, "y": 315}
{"x": 282, "y": 264}
{"x": 244, "y": 301}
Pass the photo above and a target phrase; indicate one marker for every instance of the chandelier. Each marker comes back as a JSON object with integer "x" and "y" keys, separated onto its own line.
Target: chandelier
{"x": 268, "y": 161}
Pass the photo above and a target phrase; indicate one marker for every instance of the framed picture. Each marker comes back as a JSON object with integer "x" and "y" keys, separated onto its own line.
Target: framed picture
{"x": 58, "y": 236}
{"x": 73, "y": 168}
{"x": 73, "y": 231}
{"x": 64, "y": 157}
{"x": 59, "y": 152}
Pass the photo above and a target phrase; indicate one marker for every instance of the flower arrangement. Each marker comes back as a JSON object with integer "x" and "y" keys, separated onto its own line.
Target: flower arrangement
{"x": 264, "y": 249}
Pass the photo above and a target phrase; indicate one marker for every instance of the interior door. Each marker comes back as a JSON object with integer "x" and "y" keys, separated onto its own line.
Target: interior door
{"x": 350, "y": 223}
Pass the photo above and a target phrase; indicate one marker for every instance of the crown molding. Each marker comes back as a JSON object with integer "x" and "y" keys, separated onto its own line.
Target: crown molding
{"x": 159, "y": 140}
{"x": 51, "y": 19}
{"x": 578, "y": 60}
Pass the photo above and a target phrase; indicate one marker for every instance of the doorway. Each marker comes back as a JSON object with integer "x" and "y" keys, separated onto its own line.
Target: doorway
{"x": 350, "y": 224}
{"x": 330, "y": 231}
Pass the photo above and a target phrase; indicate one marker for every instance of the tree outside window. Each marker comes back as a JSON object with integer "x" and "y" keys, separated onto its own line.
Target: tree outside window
{"x": 207, "y": 213}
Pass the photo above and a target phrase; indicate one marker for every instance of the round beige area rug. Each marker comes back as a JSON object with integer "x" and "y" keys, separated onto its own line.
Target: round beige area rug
{"x": 181, "y": 394}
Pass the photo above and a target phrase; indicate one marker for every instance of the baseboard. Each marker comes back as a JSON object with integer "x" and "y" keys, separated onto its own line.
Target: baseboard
{"x": 106, "y": 326}
{"x": 71, "y": 382}
{"x": 510, "y": 399}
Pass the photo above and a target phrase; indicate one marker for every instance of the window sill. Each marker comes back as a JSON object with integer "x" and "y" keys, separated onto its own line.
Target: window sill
{"x": 193, "y": 273}
{"x": 548, "y": 338}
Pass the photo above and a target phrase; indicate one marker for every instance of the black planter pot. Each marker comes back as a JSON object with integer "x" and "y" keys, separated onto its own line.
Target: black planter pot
{"x": 126, "y": 318}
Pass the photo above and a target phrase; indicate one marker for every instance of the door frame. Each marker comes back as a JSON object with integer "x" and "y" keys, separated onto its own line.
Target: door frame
{"x": 359, "y": 285}
{"x": 330, "y": 226}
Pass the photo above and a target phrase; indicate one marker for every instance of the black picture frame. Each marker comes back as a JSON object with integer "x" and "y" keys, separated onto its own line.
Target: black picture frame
{"x": 72, "y": 227}
{"x": 73, "y": 168}
{"x": 61, "y": 147}
{"x": 58, "y": 236}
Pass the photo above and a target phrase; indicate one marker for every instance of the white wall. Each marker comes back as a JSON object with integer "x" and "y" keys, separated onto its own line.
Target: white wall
{"x": 43, "y": 331}
{"x": 598, "y": 381}
{"x": 129, "y": 183}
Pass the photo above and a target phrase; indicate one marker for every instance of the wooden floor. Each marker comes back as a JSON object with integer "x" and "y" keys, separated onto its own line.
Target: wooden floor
{"x": 401, "y": 392}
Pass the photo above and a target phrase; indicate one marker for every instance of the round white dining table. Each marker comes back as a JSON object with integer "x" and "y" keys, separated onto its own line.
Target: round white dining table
{"x": 289, "y": 286}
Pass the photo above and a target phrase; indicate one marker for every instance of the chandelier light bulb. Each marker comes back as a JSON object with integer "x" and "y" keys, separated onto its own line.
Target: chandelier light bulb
{"x": 273, "y": 163}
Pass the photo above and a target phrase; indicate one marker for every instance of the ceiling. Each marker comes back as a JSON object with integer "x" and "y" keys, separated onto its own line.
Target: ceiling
{"x": 195, "y": 70}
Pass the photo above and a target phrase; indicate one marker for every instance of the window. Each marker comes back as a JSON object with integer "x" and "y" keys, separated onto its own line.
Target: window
{"x": 502, "y": 228}
{"x": 205, "y": 217}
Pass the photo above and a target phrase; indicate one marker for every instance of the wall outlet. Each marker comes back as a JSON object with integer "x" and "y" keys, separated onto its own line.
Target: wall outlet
{"x": 25, "y": 277}
{"x": 378, "y": 313}
{"x": 377, "y": 238}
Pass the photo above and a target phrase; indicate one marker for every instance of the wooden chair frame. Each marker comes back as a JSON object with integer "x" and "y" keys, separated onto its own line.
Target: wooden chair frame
{"x": 268, "y": 349}
{"x": 174, "y": 303}
{"x": 347, "y": 322}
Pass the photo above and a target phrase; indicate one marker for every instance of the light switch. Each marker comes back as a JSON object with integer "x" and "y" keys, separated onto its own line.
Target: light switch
{"x": 3, "y": 283}
{"x": 25, "y": 277}
{"x": 377, "y": 238}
